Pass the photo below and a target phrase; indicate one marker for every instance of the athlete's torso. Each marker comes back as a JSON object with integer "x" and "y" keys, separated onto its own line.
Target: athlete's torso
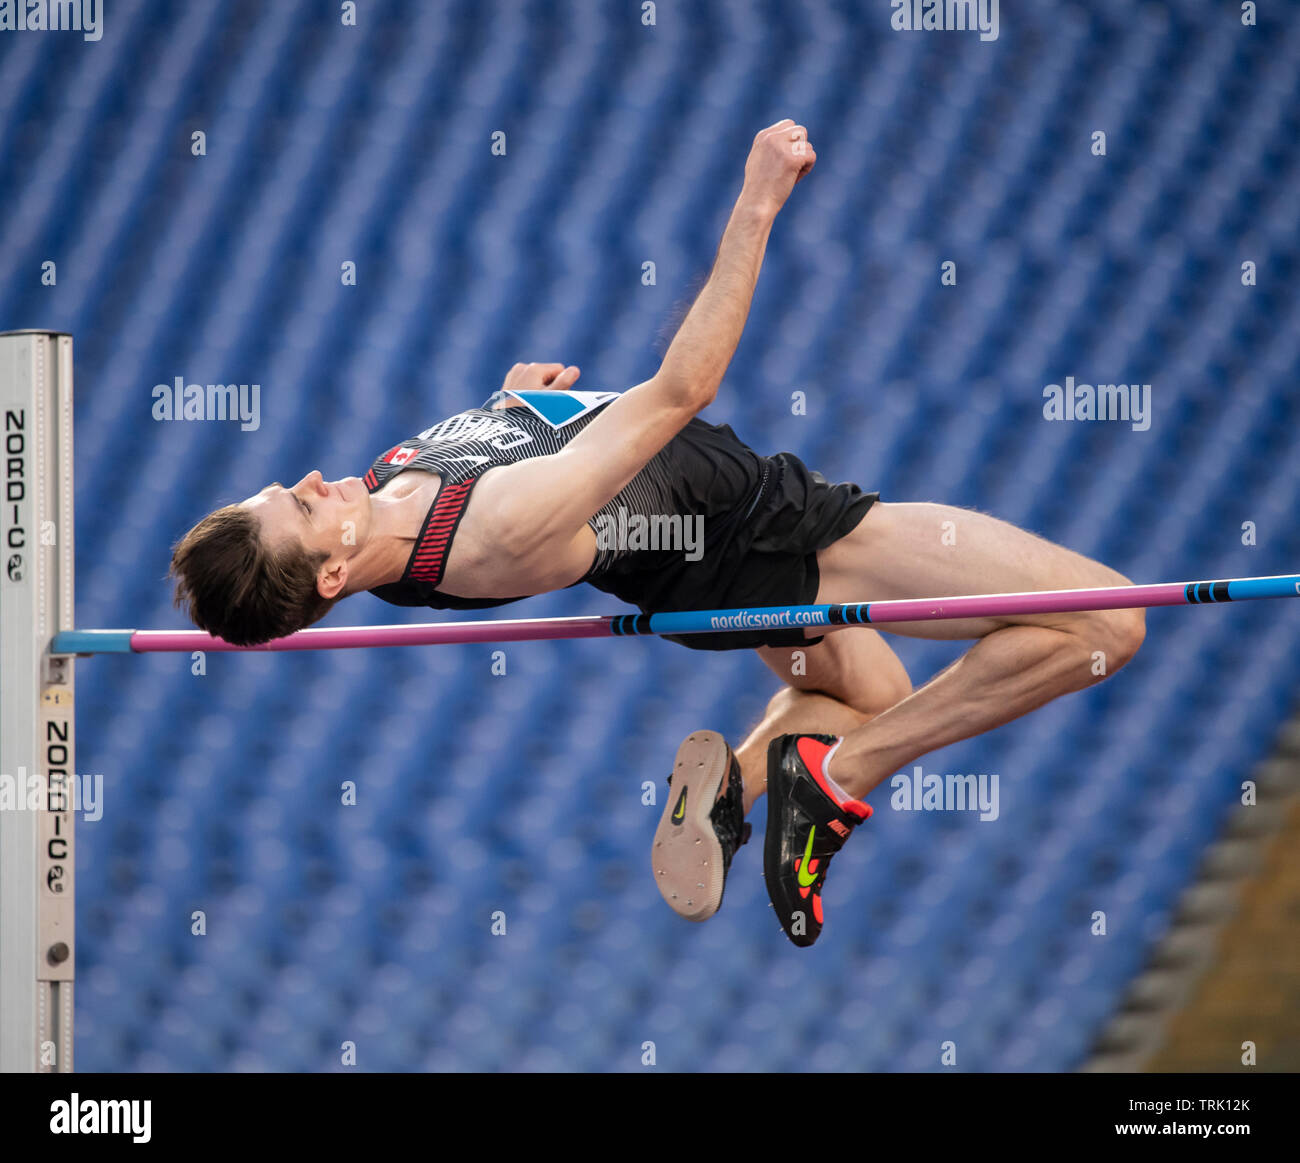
{"x": 462, "y": 448}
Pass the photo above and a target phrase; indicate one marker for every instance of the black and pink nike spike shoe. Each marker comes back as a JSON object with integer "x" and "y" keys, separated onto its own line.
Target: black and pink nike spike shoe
{"x": 807, "y": 823}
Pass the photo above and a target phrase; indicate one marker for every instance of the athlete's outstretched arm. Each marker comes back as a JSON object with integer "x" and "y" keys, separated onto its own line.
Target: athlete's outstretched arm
{"x": 538, "y": 500}
{"x": 702, "y": 348}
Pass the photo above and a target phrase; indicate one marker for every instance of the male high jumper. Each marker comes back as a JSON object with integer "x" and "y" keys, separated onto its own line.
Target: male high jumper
{"x": 506, "y": 500}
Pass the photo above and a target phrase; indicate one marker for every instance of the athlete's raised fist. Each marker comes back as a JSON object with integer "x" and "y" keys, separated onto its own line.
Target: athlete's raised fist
{"x": 532, "y": 377}
{"x": 780, "y": 157}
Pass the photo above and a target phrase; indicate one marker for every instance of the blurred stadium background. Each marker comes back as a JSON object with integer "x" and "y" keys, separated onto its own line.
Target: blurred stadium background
{"x": 522, "y": 793}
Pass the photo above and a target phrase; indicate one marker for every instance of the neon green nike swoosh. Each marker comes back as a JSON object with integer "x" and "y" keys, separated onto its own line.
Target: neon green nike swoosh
{"x": 806, "y": 881}
{"x": 681, "y": 808}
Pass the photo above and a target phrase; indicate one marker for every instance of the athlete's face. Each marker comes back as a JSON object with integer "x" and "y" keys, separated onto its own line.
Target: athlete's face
{"x": 331, "y": 517}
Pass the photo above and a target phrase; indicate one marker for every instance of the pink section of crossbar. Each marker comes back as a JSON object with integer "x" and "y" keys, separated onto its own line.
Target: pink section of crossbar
{"x": 343, "y": 637}
{"x": 1003, "y": 605}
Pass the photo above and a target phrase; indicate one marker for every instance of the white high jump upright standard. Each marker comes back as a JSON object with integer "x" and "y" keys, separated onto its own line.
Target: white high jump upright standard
{"x": 37, "y": 757}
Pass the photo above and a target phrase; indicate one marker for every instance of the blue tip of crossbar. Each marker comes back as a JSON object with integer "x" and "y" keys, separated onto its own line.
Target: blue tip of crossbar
{"x": 91, "y": 642}
{"x": 1285, "y": 586}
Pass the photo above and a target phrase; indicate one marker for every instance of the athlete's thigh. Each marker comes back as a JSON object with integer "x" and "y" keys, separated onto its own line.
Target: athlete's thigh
{"x": 854, "y": 665}
{"x": 925, "y": 550}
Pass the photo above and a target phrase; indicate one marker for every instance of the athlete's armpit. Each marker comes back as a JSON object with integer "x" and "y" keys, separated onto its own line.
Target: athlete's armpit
{"x": 490, "y": 559}
{"x": 540, "y": 505}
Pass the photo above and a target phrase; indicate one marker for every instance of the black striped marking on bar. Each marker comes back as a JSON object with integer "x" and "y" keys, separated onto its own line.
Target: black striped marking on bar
{"x": 629, "y": 625}
{"x": 1198, "y": 593}
{"x": 856, "y": 614}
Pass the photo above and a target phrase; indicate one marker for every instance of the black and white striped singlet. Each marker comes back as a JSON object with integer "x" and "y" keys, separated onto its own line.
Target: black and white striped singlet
{"x": 463, "y": 447}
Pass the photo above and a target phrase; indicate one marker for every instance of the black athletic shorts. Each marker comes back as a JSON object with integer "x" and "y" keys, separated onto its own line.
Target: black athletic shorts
{"x": 764, "y": 519}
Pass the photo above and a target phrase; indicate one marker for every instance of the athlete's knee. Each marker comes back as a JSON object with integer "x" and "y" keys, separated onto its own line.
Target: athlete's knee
{"x": 877, "y": 691}
{"x": 803, "y": 702}
{"x": 855, "y": 668}
{"x": 1129, "y": 630}
{"x": 1109, "y": 639}
{"x": 871, "y": 678}
{"x": 781, "y": 702}
{"x": 868, "y": 692}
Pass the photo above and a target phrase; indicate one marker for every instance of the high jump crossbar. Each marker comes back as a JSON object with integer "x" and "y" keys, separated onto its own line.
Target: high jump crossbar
{"x": 831, "y": 617}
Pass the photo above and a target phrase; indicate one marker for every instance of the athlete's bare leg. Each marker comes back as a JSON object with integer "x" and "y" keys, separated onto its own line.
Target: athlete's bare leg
{"x": 833, "y": 687}
{"x": 1017, "y": 664}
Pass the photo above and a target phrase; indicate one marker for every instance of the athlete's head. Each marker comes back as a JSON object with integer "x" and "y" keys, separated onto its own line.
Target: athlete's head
{"x": 274, "y": 563}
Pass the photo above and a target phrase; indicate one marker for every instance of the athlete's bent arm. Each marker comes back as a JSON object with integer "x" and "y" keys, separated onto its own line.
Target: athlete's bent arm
{"x": 538, "y": 501}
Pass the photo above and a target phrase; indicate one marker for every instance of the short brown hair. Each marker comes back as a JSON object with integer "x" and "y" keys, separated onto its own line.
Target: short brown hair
{"x": 238, "y": 588}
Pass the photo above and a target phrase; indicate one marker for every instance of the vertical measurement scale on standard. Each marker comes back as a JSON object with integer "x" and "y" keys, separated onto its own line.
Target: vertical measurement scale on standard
{"x": 37, "y": 723}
